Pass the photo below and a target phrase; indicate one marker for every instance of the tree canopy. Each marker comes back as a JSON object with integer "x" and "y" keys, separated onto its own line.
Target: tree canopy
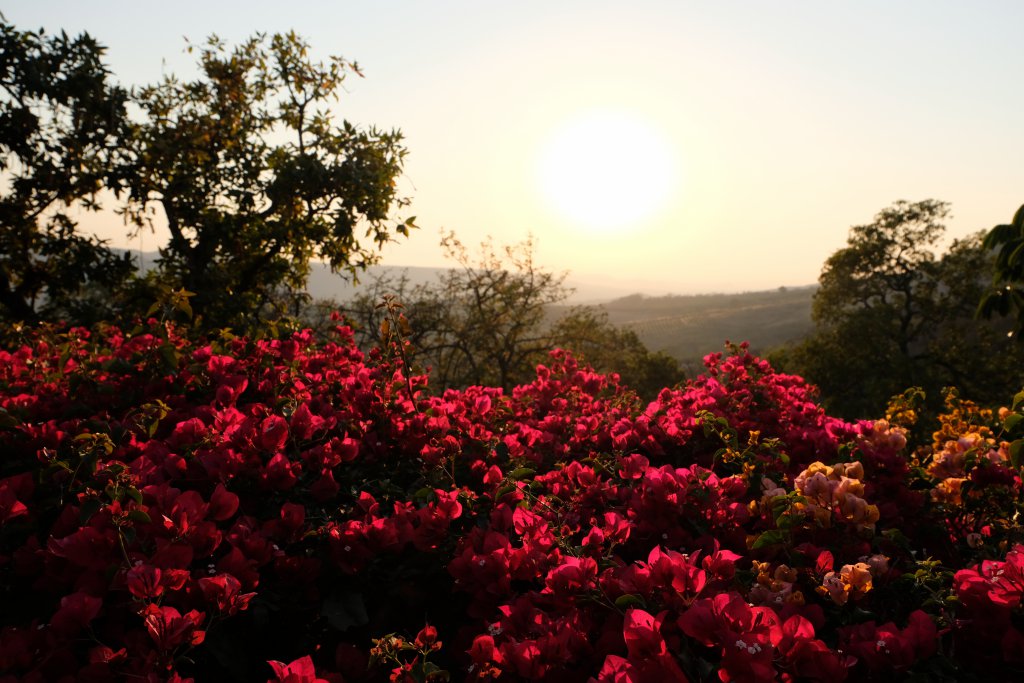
{"x": 495, "y": 316}
{"x": 255, "y": 179}
{"x": 62, "y": 131}
{"x": 891, "y": 314}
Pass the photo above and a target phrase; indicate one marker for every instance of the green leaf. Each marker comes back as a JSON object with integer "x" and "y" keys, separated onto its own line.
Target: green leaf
{"x": 630, "y": 600}
{"x": 1015, "y": 448}
{"x": 170, "y": 356}
{"x": 135, "y": 494}
{"x": 788, "y": 521}
{"x": 88, "y": 464}
{"x": 521, "y": 473}
{"x": 424, "y": 495}
{"x": 1012, "y": 421}
{"x": 140, "y": 516}
{"x": 1017, "y": 399}
{"x": 184, "y": 306}
{"x": 89, "y": 508}
{"x": 769, "y": 538}
{"x": 504, "y": 491}
{"x": 896, "y": 536}
{"x": 779, "y": 504}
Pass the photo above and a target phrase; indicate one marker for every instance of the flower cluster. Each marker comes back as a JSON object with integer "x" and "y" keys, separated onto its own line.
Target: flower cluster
{"x": 285, "y": 510}
{"x": 836, "y": 494}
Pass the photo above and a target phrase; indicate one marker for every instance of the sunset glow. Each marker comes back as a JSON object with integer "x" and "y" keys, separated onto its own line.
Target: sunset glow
{"x": 604, "y": 129}
{"x": 606, "y": 170}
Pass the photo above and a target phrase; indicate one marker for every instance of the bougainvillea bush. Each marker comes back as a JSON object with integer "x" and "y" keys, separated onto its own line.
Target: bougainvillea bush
{"x": 282, "y": 510}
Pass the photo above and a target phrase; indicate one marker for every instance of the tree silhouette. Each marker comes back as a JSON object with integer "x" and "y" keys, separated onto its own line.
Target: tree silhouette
{"x": 61, "y": 128}
{"x": 1007, "y": 292}
{"x": 496, "y": 315}
{"x": 890, "y": 314}
{"x": 255, "y": 179}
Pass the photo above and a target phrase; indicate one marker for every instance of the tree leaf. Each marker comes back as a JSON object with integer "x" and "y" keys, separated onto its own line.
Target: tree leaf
{"x": 89, "y": 508}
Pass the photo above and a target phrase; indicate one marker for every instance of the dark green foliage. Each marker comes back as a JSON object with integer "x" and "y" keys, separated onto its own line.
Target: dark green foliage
{"x": 1007, "y": 293}
{"x": 61, "y": 131}
{"x": 890, "y": 314}
{"x": 589, "y": 333}
{"x": 254, "y": 178}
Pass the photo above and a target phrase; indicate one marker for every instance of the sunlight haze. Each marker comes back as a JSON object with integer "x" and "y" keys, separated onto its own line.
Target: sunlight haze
{"x": 664, "y": 146}
{"x": 607, "y": 171}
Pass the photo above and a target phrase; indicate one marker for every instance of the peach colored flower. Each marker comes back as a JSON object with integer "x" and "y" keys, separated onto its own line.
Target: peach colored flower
{"x": 948, "y": 491}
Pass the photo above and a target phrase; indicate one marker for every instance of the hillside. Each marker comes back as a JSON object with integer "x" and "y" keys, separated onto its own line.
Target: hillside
{"x": 688, "y": 327}
{"x": 323, "y": 284}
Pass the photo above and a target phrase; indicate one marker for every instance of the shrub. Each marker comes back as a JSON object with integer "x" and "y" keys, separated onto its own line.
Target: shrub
{"x": 239, "y": 509}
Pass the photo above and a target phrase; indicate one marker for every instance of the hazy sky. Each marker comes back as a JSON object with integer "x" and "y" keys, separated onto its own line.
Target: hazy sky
{"x": 664, "y": 146}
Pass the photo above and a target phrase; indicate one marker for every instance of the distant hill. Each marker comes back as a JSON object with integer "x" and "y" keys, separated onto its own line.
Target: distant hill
{"x": 323, "y": 284}
{"x": 689, "y": 327}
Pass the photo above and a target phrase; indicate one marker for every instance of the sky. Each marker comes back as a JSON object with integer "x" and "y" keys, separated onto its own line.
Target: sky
{"x": 650, "y": 146}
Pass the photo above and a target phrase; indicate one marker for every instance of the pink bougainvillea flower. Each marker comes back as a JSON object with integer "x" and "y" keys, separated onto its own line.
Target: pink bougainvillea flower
{"x": 75, "y": 613}
{"x": 649, "y": 658}
{"x": 224, "y": 593}
{"x": 427, "y": 638}
{"x": 169, "y": 628}
{"x": 300, "y": 670}
{"x": 273, "y": 432}
{"x": 143, "y": 581}
{"x": 223, "y": 504}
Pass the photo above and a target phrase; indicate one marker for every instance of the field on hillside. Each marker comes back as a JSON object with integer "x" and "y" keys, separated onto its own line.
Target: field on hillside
{"x": 688, "y": 327}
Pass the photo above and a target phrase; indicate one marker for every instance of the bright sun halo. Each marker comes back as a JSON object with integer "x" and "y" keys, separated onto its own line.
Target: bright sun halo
{"x": 606, "y": 171}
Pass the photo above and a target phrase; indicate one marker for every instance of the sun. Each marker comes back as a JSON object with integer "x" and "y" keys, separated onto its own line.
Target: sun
{"x": 606, "y": 171}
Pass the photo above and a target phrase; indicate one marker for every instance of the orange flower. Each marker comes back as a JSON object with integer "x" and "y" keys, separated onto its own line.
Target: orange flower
{"x": 853, "y": 580}
{"x": 948, "y": 491}
{"x": 858, "y": 576}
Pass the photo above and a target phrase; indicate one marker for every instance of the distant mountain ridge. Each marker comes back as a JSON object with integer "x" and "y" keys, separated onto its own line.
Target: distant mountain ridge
{"x": 324, "y": 284}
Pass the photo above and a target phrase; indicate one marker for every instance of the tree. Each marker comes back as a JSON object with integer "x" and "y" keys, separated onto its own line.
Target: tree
{"x": 1007, "y": 292}
{"x": 587, "y": 332}
{"x": 255, "y": 179}
{"x": 484, "y": 322}
{"x": 494, "y": 318}
{"x": 890, "y": 314}
{"x": 61, "y": 127}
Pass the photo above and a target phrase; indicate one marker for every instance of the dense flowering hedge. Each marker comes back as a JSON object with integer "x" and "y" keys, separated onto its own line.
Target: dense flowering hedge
{"x": 287, "y": 511}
